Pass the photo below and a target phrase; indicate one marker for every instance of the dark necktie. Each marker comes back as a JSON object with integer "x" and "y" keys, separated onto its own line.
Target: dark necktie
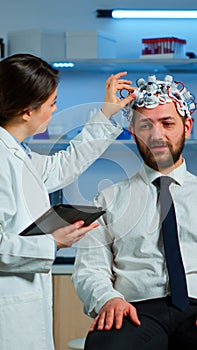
{"x": 177, "y": 279}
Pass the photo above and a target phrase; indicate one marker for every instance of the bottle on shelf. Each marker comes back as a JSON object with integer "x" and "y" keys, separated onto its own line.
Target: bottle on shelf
{"x": 2, "y": 48}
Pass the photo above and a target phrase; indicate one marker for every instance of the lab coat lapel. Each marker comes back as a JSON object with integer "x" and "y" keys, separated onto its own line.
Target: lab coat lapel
{"x": 29, "y": 165}
{"x": 18, "y": 152}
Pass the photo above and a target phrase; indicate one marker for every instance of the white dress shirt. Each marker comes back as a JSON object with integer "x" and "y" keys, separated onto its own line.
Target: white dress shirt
{"x": 124, "y": 257}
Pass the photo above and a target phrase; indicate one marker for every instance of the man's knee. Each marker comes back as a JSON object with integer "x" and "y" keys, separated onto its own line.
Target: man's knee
{"x": 129, "y": 337}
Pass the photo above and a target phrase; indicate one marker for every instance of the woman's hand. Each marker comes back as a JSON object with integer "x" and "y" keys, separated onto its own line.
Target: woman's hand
{"x": 112, "y": 103}
{"x": 67, "y": 235}
{"x": 112, "y": 313}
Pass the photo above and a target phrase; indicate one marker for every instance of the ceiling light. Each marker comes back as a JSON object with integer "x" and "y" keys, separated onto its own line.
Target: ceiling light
{"x": 168, "y": 14}
{"x": 63, "y": 64}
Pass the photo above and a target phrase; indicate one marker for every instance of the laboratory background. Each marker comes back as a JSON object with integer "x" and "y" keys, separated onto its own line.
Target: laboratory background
{"x": 83, "y": 41}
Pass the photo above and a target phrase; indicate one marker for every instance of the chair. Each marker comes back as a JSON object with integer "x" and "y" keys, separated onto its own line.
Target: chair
{"x": 77, "y": 344}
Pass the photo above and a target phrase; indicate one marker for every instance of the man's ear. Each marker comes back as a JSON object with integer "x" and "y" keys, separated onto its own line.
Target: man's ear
{"x": 131, "y": 130}
{"x": 188, "y": 127}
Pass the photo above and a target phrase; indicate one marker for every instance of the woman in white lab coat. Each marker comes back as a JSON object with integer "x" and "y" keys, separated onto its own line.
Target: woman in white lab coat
{"x": 28, "y": 89}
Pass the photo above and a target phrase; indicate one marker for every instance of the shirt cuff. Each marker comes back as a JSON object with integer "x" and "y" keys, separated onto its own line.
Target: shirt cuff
{"x": 55, "y": 249}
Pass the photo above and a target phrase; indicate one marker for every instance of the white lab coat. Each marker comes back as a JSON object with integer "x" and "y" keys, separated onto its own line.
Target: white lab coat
{"x": 25, "y": 262}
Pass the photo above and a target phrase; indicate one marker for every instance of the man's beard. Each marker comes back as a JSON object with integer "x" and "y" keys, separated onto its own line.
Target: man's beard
{"x": 160, "y": 164}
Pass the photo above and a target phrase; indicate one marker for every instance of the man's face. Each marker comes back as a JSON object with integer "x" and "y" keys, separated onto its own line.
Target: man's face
{"x": 160, "y": 134}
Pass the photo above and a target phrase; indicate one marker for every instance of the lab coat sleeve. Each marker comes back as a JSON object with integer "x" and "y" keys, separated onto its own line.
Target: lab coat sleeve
{"x": 93, "y": 269}
{"x": 19, "y": 254}
{"x": 64, "y": 167}
{"x": 26, "y": 254}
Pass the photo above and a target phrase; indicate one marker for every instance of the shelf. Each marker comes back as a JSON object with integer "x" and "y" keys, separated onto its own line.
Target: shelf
{"x": 47, "y": 142}
{"x": 62, "y": 269}
{"x": 183, "y": 65}
{"x": 66, "y": 142}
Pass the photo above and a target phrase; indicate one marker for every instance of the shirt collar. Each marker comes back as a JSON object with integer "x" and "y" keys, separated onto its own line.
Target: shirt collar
{"x": 26, "y": 149}
{"x": 149, "y": 175}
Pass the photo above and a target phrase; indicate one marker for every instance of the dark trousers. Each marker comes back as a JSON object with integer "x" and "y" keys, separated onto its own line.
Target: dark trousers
{"x": 163, "y": 327}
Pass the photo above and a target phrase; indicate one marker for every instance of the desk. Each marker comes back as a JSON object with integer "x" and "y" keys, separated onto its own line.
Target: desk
{"x": 69, "y": 320}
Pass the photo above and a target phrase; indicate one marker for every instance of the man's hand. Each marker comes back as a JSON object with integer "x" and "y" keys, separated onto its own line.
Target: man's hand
{"x": 112, "y": 103}
{"x": 112, "y": 313}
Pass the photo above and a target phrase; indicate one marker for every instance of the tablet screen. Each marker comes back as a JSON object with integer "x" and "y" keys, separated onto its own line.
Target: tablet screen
{"x": 63, "y": 215}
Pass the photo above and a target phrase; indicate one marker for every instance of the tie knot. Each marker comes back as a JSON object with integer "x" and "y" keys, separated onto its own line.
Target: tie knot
{"x": 163, "y": 181}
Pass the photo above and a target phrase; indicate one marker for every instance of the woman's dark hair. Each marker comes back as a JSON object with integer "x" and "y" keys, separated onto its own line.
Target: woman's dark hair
{"x": 26, "y": 82}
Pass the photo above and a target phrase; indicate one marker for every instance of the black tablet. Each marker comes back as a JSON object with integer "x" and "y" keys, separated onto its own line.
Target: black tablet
{"x": 61, "y": 215}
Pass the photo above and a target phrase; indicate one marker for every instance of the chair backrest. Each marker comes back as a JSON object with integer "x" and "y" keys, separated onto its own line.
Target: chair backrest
{"x": 77, "y": 344}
